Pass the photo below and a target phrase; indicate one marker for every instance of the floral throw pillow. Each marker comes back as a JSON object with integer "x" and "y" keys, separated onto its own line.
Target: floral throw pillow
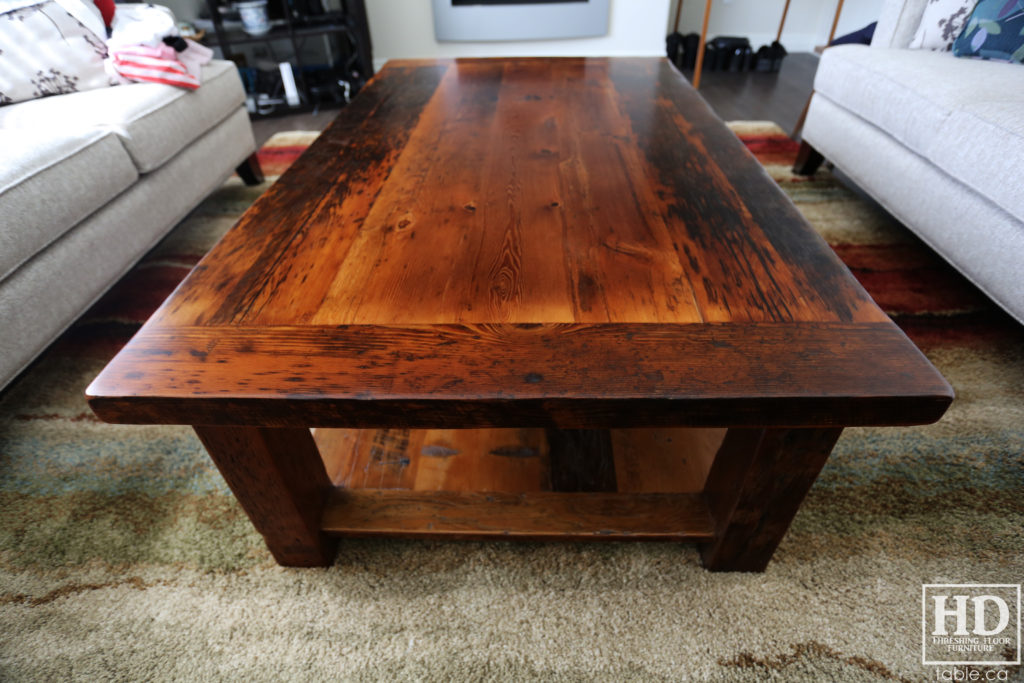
{"x": 994, "y": 31}
{"x": 45, "y": 50}
{"x": 941, "y": 23}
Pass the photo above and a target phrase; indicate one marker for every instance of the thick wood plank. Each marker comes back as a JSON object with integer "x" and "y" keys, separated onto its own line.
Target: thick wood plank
{"x": 478, "y": 211}
{"x": 673, "y": 460}
{"x": 379, "y": 458}
{"x": 289, "y": 243}
{"x": 279, "y": 479}
{"x": 727, "y": 212}
{"x": 509, "y": 460}
{"x": 525, "y": 516}
{"x": 756, "y": 484}
{"x": 581, "y": 460}
{"x": 568, "y": 376}
{"x": 526, "y": 190}
{"x": 664, "y": 460}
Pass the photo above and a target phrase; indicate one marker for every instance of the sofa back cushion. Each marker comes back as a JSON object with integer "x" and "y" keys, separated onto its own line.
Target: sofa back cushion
{"x": 995, "y": 30}
{"x": 941, "y": 23}
{"x": 154, "y": 121}
{"x": 898, "y": 22}
{"x": 48, "y": 48}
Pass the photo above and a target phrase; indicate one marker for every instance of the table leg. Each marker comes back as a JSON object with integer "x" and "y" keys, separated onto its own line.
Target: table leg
{"x": 808, "y": 159}
{"x": 754, "y": 488}
{"x": 249, "y": 170}
{"x": 279, "y": 478}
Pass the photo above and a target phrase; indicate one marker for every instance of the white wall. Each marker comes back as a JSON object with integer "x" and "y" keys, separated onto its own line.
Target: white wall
{"x": 404, "y": 29}
{"x": 807, "y": 23}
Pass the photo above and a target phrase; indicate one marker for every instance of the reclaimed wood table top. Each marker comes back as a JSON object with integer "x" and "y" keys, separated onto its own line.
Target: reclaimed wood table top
{"x": 568, "y": 242}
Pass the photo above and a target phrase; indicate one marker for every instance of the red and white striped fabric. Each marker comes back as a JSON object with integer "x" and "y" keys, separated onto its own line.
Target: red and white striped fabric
{"x": 152, "y": 64}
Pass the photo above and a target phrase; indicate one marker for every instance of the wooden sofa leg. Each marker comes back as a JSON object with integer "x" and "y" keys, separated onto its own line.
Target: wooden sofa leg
{"x": 808, "y": 160}
{"x": 250, "y": 171}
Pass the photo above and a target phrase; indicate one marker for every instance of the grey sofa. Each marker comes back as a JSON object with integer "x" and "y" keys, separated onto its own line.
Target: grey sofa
{"x": 937, "y": 140}
{"x": 89, "y": 181}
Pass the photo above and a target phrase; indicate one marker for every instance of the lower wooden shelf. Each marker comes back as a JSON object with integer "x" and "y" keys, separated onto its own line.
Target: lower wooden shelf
{"x": 520, "y": 460}
{"x": 542, "y": 515}
{"x": 537, "y": 484}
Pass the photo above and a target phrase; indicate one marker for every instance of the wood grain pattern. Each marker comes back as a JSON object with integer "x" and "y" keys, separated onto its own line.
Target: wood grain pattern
{"x": 609, "y": 192}
{"x": 664, "y": 460}
{"x": 522, "y": 247}
{"x": 516, "y": 460}
{"x": 524, "y": 516}
{"x": 581, "y": 460}
{"x": 455, "y": 206}
{"x": 568, "y": 376}
{"x": 754, "y": 488}
{"x": 509, "y": 460}
{"x": 279, "y": 479}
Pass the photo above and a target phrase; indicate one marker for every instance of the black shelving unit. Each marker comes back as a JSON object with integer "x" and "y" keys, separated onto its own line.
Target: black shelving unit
{"x": 355, "y": 65}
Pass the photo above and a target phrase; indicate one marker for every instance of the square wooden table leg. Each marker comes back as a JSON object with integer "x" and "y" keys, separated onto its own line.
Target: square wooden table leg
{"x": 755, "y": 486}
{"x": 279, "y": 478}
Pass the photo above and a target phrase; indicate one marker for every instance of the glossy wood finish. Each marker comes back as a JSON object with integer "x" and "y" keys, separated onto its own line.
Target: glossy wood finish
{"x": 508, "y": 460}
{"x": 523, "y": 516}
{"x": 554, "y": 244}
{"x": 777, "y": 96}
{"x": 279, "y": 479}
{"x": 569, "y": 376}
{"x": 756, "y": 484}
{"x": 519, "y": 460}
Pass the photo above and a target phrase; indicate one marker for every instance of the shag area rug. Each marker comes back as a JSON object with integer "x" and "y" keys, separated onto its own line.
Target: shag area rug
{"x": 123, "y": 555}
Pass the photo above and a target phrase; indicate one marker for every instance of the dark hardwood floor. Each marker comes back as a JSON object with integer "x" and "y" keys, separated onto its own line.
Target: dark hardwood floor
{"x": 751, "y": 96}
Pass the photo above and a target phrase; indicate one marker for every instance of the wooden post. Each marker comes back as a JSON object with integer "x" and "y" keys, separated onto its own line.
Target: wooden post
{"x": 835, "y": 23}
{"x": 278, "y": 477}
{"x": 754, "y": 488}
{"x": 782, "y": 22}
{"x": 700, "y": 48}
{"x": 249, "y": 170}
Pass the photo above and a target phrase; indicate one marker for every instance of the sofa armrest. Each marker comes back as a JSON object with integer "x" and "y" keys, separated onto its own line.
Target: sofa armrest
{"x": 898, "y": 22}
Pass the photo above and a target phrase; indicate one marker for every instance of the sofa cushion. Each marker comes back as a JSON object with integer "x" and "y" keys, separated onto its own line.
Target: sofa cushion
{"x": 994, "y": 31}
{"x": 945, "y": 109}
{"x": 45, "y": 50}
{"x": 154, "y": 121}
{"x": 981, "y": 144}
{"x": 897, "y": 22}
{"x": 49, "y": 183}
{"x": 940, "y": 24}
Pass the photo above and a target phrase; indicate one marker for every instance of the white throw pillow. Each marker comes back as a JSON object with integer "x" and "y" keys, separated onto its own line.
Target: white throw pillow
{"x": 45, "y": 50}
{"x": 941, "y": 24}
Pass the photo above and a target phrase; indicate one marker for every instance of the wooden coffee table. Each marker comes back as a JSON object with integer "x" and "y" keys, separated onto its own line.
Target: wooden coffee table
{"x": 524, "y": 298}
